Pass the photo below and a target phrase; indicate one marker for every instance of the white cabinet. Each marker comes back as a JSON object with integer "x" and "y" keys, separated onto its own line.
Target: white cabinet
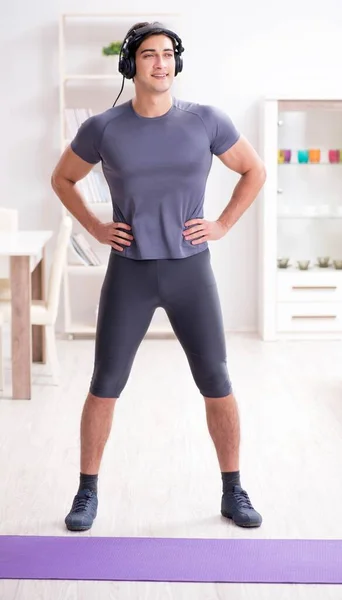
{"x": 300, "y": 219}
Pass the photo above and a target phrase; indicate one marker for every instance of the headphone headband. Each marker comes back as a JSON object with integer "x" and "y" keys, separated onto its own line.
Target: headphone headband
{"x": 138, "y": 34}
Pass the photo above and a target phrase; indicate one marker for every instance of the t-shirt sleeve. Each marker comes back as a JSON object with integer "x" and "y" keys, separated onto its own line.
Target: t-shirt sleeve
{"x": 221, "y": 129}
{"x": 87, "y": 141}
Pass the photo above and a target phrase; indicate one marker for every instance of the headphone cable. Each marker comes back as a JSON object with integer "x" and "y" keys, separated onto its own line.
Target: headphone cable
{"x": 122, "y": 87}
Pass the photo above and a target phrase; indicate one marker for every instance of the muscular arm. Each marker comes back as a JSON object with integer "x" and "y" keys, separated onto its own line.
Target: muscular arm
{"x": 243, "y": 159}
{"x": 70, "y": 169}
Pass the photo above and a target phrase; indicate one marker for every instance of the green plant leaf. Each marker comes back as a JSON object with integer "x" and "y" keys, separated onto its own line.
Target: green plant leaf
{"x": 112, "y": 49}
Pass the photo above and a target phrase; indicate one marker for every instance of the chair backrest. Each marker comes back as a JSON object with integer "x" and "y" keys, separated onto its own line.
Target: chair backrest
{"x": 8, "y": 222}
{"x": 8, "y": 219}
{"x": 58, "y": 264}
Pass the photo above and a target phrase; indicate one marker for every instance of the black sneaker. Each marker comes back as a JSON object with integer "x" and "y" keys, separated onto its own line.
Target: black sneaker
{"x": 83, "y": 511}
{"x": 237, "y": 506}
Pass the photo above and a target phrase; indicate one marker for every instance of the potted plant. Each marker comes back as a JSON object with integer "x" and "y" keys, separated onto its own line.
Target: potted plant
{"x": 113, "y": 50}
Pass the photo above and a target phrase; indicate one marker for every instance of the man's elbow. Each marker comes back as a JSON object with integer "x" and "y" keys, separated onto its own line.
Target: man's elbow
{"x": 258, "y": 171}
{"x": 58, "y": 182}
{"x": 53, "y": 181}
{"x": 262, "y": 172}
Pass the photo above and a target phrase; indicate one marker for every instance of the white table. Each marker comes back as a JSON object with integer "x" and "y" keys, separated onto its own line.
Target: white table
{"x": 26, "y": 250}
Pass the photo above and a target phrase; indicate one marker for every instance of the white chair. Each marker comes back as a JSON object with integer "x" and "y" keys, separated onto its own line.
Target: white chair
{"x": 8, "y": 222}
{"x": 45, "y": 313}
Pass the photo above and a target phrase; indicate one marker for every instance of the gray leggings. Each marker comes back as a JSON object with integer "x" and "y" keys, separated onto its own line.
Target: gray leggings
{"x": 187, "y": 290}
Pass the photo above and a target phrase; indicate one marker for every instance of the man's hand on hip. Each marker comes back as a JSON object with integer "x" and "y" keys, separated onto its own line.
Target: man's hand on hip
{"x": 203, "y": 231}
{"x": 112, "y": 234}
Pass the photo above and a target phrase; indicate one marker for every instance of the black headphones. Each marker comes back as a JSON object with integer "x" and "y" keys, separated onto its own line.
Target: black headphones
{"x": 127, "y": 59}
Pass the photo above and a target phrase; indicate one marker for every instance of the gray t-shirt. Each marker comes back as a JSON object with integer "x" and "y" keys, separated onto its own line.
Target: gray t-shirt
{"x": 156, "y": 169}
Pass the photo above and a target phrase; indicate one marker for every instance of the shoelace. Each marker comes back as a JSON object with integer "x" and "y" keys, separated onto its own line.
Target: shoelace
{"x": 81, "y": 502}
{"x": 242, "y": 499}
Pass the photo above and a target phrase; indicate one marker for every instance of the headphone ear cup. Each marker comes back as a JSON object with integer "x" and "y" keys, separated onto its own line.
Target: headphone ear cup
{"x": 122, "y": 65}
{"x": 178, "y": 64}
{"x": 127, "y": 66}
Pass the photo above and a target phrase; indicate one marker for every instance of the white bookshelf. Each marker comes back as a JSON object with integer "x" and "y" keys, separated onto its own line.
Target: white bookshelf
{"x": 91, "y": 77}
{"x": 300, "y": 212}
{"x": 96, "y": 87}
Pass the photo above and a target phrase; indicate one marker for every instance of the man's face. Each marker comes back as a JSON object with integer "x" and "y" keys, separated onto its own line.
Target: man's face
{"x": 155, "y": 64}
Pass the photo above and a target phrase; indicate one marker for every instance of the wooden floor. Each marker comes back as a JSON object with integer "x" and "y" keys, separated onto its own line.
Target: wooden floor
{"x": 160, "y": 475}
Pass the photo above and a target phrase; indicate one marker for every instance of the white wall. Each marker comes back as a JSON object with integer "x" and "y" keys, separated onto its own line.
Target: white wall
{"x": 235, "y": 54}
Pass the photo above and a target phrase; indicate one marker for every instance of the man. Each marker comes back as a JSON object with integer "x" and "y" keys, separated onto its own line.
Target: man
{"x": 156, "y": 153}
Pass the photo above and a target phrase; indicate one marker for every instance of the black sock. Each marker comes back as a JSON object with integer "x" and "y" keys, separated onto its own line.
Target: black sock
{"x": 88, "y": 482}
{"x": 229, "y": 479}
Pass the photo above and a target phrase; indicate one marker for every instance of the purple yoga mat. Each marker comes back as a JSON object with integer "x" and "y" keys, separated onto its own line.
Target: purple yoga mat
{"x": 171, "y": 559}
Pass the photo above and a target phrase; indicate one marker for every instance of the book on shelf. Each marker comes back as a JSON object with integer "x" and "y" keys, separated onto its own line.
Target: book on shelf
{"x": 83, "y": 250}
{"x": 74, "y": 118}
{"x": 93, "y": 187}
{"x": 101, "y": 185}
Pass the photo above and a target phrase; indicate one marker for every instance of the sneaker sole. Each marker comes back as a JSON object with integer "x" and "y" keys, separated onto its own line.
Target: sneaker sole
{"x": 228, "y": 516}
{"x": 78, "y": 528}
